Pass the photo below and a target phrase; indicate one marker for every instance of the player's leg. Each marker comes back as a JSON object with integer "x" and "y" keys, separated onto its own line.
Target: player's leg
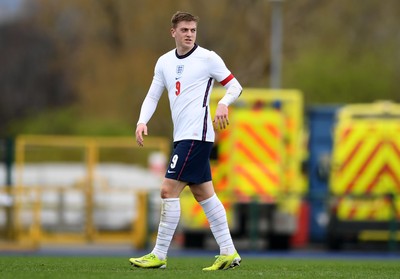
{"x": 169, "y": 219}
{"x": 171, "y": 188}
{"x": 216, "y": 216}
{"x": 170, "y": 215}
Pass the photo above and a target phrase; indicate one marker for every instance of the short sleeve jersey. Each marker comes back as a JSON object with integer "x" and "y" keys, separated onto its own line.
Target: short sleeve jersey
{"x": 189, "y": 80}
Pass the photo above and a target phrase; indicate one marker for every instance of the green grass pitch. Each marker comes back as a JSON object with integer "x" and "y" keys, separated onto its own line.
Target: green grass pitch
{"x": 190, "y": 267}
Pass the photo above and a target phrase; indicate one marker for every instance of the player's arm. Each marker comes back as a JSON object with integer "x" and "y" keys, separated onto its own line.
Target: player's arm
{"x": 233, "y": 91}
{"x": 220, "y": 72}
{"x": 147, "y": 110}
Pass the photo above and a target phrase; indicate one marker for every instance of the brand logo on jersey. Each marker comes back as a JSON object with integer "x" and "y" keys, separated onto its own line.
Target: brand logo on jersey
{"x": 179, "y": 69}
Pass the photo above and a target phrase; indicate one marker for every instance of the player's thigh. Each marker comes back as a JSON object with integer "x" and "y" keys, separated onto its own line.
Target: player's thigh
{"x": 190, "y": 162}
{"x": 171, "y": 188}
{"x": 202, "y": 191}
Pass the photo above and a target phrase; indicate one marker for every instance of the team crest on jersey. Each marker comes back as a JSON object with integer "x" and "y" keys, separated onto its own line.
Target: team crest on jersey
{"x": 179, "y": 69}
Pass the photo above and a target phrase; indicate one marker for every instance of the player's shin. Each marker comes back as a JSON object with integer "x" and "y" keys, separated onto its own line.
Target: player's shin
{"x": 170, "y": 214}
{"x": 216, "y": 216}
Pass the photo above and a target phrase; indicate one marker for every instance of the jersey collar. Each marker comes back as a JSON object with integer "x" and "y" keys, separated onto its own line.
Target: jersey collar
{"x": 187, "y": 54}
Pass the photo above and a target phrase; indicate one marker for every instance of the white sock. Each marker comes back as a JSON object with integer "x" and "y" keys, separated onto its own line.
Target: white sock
{"x": 170, "y": 214}
{"x": 216, "y": 216}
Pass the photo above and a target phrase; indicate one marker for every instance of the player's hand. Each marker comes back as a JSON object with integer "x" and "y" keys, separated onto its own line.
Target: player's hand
{"x": 141, "y": 129}
{"x": 221, "y": 120}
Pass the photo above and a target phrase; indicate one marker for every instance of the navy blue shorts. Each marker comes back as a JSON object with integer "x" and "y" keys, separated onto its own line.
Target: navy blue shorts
{"x": 190, "y": 162}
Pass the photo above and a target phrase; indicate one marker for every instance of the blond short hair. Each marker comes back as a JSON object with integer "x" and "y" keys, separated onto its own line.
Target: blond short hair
{"x": 182, "y": 16}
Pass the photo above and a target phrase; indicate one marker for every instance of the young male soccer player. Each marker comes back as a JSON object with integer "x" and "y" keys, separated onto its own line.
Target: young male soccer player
{"x": 188, "y": 73}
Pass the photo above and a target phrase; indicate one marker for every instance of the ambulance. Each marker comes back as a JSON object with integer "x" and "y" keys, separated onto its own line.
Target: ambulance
{"x": 364, "y": 180}
{"x": 256, "y": 171}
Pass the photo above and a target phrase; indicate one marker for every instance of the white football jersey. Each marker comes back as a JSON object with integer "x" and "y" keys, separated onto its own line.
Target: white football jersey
{"x": 189, "y": 80}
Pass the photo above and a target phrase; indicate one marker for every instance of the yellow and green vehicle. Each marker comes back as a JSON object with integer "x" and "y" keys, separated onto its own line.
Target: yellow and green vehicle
{"x": 365, "y": 175}
{"x": 256, "y": 170}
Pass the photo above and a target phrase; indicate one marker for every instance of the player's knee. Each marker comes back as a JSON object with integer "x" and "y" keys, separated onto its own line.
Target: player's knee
{"x": 165, "y": 193}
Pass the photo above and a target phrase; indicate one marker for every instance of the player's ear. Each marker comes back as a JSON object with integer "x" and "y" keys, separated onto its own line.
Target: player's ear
{"x": 173, "y": 32}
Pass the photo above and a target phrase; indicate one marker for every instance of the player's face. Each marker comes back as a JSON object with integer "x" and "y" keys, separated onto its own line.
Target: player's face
{"x": 185, "y": 35}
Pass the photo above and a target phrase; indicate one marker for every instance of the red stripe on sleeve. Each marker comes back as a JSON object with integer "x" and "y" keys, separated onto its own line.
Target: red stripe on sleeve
{"x": 228, "y": 79}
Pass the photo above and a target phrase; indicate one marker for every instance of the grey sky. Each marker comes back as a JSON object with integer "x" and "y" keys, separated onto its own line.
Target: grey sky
{"x": 9, "y": 8}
